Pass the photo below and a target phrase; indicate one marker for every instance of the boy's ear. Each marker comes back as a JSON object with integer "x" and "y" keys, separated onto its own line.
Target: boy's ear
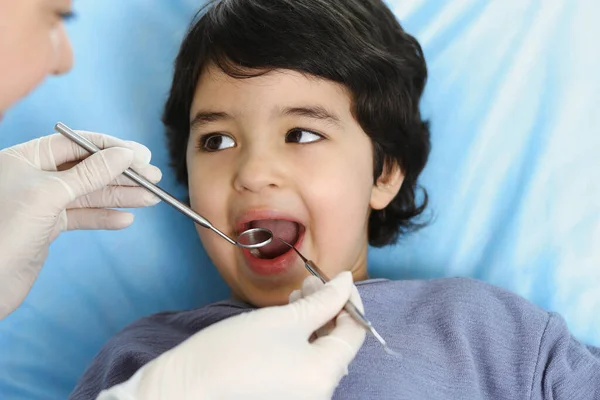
{"x": 386, "y": 187}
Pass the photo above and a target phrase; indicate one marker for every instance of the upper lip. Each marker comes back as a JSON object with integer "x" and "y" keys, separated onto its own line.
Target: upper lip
{"x": 256, "y": 214}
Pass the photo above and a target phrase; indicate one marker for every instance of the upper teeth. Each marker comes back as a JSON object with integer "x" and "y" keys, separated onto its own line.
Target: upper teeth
{"x": 255, "y": 252}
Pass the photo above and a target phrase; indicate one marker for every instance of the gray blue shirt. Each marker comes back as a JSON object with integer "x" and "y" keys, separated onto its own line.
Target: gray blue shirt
{"x": 459, "y": 339}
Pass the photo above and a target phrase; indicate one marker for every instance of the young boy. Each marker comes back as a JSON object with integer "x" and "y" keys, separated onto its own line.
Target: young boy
{"x": 302, "y": 116}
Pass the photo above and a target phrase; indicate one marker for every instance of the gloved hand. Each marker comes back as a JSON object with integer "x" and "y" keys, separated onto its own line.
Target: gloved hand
{"x": 263, "y": 354}
{"x": 38, "y": 201}
{"x": 313, "y": 284}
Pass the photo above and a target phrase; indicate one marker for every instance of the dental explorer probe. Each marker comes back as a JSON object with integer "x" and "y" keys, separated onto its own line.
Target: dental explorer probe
{"x": 349, "y": 307}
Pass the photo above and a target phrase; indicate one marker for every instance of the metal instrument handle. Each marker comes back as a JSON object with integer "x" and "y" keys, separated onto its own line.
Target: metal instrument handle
{"x": 140, "y": 180}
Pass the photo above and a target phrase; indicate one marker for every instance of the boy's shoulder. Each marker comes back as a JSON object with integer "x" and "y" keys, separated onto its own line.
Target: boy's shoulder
{"x": 144, "y": 340}
{"x": 462, "y": 338}
{"x": 178, "y": 324}
{"x": 441, "y": 283}
{"x": 455, "y": 288}
{"x": 459, "y": 299}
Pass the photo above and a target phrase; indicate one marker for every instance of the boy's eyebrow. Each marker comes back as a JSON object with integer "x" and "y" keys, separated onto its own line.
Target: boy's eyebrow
{"x": 314, "y": 112}
{"x": 204, "y": 117}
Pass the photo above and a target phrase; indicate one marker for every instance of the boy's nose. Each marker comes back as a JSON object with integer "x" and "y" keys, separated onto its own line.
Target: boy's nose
{"x": 256, "y": 171}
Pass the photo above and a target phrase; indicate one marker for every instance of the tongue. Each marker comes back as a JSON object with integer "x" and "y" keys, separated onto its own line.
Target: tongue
{"x": 285, "y": 230}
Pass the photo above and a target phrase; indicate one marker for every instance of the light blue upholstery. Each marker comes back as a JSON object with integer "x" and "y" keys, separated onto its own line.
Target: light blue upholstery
{"x": 513, "y": 98}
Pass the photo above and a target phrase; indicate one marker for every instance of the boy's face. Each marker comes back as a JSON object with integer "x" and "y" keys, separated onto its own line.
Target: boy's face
{"x": 282, "y": 149}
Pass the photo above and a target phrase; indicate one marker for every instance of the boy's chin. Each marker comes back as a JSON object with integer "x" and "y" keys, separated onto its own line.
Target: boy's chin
{"x": 263, "y": 297}
{"x": 266, "y": 300}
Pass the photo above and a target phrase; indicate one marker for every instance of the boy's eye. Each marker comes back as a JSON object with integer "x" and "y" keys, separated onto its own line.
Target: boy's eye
{"x": 216, "y": 142}
{"x": 302, "y": 136}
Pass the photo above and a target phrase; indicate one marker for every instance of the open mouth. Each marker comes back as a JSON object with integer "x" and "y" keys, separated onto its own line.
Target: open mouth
{"x": 289, "y": 231}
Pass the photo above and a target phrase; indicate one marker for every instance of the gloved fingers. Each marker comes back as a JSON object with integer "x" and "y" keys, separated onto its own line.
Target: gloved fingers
{"x": 311, "y": 285}
{"x": 357, "y": 300}
{"x": 316, "y": 310}
{"x": 97, "y": 218}
{"x": 299, "y": 294}
{"x": 344, "y": 319}
{"x": 295, "y": 296}
{"x": 325, "y": 329}
{"x": 148, "y": 171}
{"x": 344, "y": 341}
{"x": 340, "y": 346}
{"x": 95, "y": 172}
{"x": 116, "y": 197}
{"x": 14, "y": 287}
{"x": 57, "y": 149}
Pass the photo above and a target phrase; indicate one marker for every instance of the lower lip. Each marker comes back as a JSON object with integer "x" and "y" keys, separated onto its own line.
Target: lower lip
{"x": 275, "y": 266}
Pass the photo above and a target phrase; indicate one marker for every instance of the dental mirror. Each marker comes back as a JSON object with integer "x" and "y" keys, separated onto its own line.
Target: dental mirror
{"x": 254, "y": 238}
{"x": 249, "y": 239}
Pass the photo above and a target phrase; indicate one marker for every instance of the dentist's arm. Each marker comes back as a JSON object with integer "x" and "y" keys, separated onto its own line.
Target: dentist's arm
{"x": 263, "y": 354}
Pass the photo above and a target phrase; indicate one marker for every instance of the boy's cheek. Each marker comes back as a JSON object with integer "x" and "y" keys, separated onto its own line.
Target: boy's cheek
{"x": 208, "y": 201}
{"x": 342, "y": 235}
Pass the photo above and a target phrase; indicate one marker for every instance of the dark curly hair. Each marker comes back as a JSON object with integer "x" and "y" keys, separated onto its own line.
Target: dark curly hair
{"x": 357, "y": 43}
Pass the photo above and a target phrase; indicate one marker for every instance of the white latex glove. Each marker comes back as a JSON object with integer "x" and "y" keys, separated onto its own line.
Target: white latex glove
{"x": 38, "y": 202}
{"x": 263, "y": 354}
{"x": 313, "y": 284}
